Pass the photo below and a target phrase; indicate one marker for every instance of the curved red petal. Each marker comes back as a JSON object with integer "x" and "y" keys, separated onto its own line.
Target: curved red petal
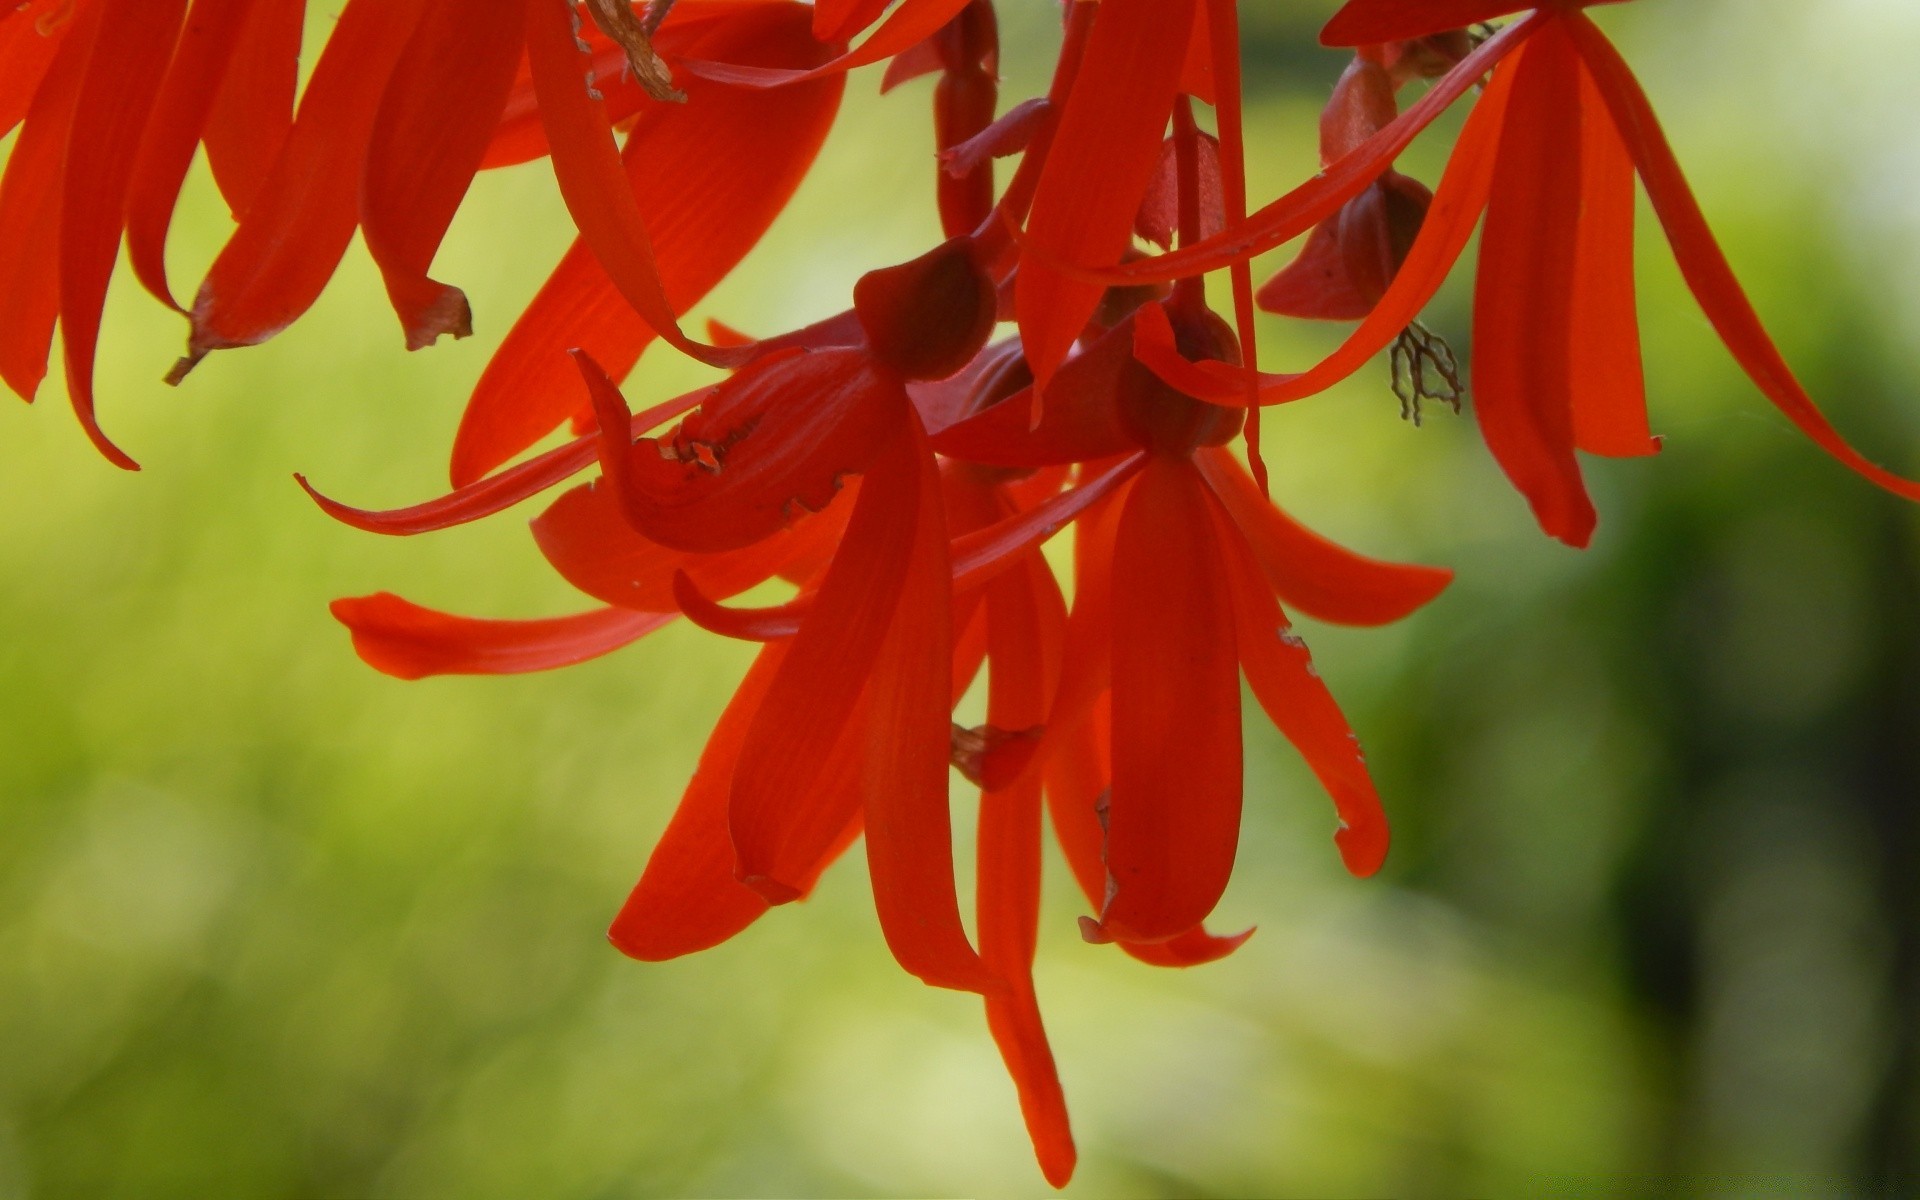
{"x": 402, "y": 639}
{"x": 495, "y": 493}
{"x": 433, "y": 126}
{"x": 909, "y": 830}
{"x": 1102, "y": 154}
{"x": 687, "y": 898}
{"x": 178, "y": 122}
{"x": 30, "y": 204}
{"x": 253, "y": 112}
{"x": 1609, "y": 386}
{"x": 295, "y": 231}
{"x": 1703, "y": 265}
{"x": 123, "y": 76}
{"x": 1523, "y": 294}
{"x": 592, "y": 182}
{"x": 1282, "y": 677}
{"x": 1319, "y": 577}
{"x": 1173, "y": 820}
{"x": 776, "y": 821}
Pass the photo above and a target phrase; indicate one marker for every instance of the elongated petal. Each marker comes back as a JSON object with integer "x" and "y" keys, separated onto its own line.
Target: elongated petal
{"x": 1026, "y": 621}
{"x": 1076, "y": 782}
{"x": 253, "y": 112}
{"x": 1101, "y": 158}
{"x": 1457, "y": 205}
{"x": 1173, "y": 822}
{"x": 1523, "y": 295}
{"x": 1703, "y": 265}
{"x": 813, "y": 699}
{"x": 441, "y": 106}
{"x": 709, "y": 177}
{"x": 592, "y": 181}
{"x": 909, "y": 830}
{"x": 1283, "y": 679}
{"x": 1609, "y": 387}
{"x": 402, "y": 639}
{"x": 178, "y": 122}
{"x": 495, "y": 493}
{"x": 298, "y": 226}
{"x": 30, "y": 202}
{"x": 29, "y": 37}
{"x": 1319, "y": 577}
{"x": 687, "y": 898}
{"x": 123, "y": 76}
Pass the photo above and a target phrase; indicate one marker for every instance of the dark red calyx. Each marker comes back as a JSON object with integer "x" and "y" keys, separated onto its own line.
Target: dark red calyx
{"x": 928, "y": 317}
{"x": 1164, "y": 420}
{"x": 1377, "y": 230}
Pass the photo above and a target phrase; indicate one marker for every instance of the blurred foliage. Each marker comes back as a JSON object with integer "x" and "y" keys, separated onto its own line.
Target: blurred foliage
{"x": 273, "y": 924}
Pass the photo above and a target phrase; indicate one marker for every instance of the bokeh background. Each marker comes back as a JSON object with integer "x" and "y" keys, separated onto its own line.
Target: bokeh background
{"x": 272, "y": 924}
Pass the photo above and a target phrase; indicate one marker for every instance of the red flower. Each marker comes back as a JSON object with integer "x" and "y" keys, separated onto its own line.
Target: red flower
{"x": 1555, "y": 333}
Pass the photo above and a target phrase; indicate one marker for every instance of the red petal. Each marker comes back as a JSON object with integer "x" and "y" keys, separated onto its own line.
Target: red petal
{"x": 1076, "y": 775}
{"x": 1102, "y": 155}
{"x": 1283, "y": 679}
{"x": 123, "y": 75}
{"x": 254, "y": 109}
{"x": 709, "y": 177}
{"x": 402, "y": 639}
{"x": 445, "y": 97}
{"x": 1321, "y": 578}
{"x": 592, "y": 181}
{"x": 1609, "y": 388}
{"x": 298, "y": 226}
{"x": 1026, "y": 619}
{"x": 1173, "y": 821}
{"x": 174, "y": 131}
{"x": 909, "y": 831}
{"x": 495, "y": 493}
{"x": 1523, "y": 296}
{"x": 29, "y": 37}
{"x": 1703, "y": 265}
{"x": 30, "y": 199}
{"x": 687, "y": 898}
{"x": 778, "y": 822}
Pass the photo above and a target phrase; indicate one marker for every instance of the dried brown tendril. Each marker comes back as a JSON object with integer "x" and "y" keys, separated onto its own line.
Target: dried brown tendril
{"x": 1424, "y": 369}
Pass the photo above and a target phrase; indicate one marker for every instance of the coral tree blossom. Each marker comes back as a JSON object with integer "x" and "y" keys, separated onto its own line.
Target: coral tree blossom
{"x": 892, "y": 463}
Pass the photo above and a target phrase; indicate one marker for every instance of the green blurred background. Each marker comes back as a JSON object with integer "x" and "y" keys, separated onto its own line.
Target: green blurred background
{"x": 272, "y": 924}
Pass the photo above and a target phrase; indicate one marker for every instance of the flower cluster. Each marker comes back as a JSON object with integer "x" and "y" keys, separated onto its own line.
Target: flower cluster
{"x": 1053, "y": 361}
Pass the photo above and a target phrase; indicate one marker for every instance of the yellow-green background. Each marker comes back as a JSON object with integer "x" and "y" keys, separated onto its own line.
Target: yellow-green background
{"x": 272, "y": 924}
